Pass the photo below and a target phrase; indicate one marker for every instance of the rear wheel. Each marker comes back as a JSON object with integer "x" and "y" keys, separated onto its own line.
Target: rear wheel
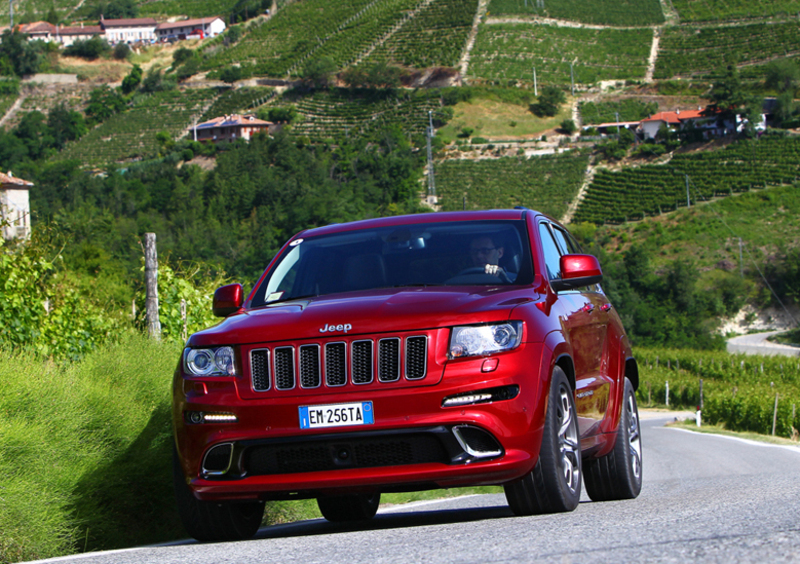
{"x": 352, "y": 507}
{"x": 618, "y": 475}
{"x": 207, "y": 521}
{"x": 554, "y": 484}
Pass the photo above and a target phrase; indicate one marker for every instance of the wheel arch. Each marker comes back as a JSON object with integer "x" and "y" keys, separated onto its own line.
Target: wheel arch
{"x": 564, "y": 361}
{"x": 632, "y": 372}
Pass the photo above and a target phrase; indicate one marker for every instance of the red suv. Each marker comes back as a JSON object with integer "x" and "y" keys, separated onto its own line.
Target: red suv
{"x": 407, "y": 353}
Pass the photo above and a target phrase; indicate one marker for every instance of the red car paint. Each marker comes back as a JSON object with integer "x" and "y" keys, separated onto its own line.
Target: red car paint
{"x": 574, "y": 328}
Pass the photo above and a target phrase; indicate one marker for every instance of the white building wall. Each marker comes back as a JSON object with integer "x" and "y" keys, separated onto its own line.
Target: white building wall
{"x": 16, "y": 211}
{"x": 130, "y": 34}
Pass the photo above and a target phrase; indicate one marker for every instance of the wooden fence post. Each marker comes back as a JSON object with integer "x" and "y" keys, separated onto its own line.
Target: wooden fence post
{"x": 151, "y": 285}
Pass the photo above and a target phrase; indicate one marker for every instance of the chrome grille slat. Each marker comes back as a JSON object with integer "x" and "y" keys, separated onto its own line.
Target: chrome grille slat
{"x": 389, "y": 360}
{"x": 335, "y": 364}
{"x": 361, "y": 362}
{"x": 259, "y": 368}
{"x": 309, "y": 366}
{"x": 284, "y": 368}
{"x": 416, "y": 357}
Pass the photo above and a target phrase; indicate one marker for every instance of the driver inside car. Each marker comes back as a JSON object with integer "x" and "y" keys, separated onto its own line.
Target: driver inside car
{"x": 486, "y": 254}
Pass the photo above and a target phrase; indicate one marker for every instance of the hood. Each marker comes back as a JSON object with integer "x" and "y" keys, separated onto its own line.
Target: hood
{"x": 364, "y": 313}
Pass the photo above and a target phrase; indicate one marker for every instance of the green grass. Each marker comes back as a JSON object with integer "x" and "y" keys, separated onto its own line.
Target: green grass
{"x": 603, "y": 12}
{"x": 722, "y": 10}
{"x": 547, "y": 183}
{"x": 629, "y": 109}
{"x": 719, "y": 429}
{"x": 85, "y": 451}
{"x": 508, "y": 52}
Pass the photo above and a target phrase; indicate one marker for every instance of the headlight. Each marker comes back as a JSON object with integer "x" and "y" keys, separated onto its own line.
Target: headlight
{"x": 209, "y": 362}
{"x": 484, "y": 340}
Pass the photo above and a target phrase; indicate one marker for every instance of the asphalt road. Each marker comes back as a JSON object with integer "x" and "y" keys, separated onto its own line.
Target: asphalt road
{"x": 757, "y": 343}
{"x": 705, "y": 499}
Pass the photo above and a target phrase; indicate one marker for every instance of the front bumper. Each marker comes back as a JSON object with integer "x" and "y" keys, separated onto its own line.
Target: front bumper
{"x": 414, "y": 443}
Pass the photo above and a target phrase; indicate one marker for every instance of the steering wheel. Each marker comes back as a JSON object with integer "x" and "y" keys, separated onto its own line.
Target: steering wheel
{"x": 501, "y": 276}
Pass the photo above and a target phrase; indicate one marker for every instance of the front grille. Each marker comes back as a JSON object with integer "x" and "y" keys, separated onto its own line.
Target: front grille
{"x": 336, "y": 364}
{"x": 309, "y": 366}
{"x": 339, "y": 363}
{"x": 284, "y": 368}
{"x": 361, "y": 355}
{"x": 259, "y": 366}
{"x": 416, "y": 357}
{"x": 389, "y": 360}
{"x": 415, "y": 448}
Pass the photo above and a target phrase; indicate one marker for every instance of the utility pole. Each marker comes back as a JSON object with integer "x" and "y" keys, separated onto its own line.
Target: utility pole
{"x": 741, "y": 264}
{"x": 431, "y": 180}
{"x": 688, "y": 203}
{"x": 11, "y": 13}
{"x": 151, "y": 286}
{"x": 617, "y": 114}
{"x": 572, "y": 78}
{"x": 535, "y": 86}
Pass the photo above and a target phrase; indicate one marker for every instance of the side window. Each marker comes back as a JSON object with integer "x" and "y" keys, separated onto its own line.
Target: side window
{"x": 563, "y": 243}
{"x": 552, "y": 256}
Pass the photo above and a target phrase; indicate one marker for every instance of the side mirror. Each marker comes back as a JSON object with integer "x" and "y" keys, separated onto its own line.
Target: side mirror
{"x": 227, "y": 300}
{"x": 577, "y": 271}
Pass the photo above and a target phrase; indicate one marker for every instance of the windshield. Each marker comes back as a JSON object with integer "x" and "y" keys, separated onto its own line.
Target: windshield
{"x": 472, "y": 253}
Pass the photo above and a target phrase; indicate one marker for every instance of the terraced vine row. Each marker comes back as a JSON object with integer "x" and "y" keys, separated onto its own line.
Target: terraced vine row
{"x": 629, "y": 109}
{"x": 738, "y": 391}
{"x": 510, "y": 51}
{"x": 291, "y": 35}
{"x": 706, "y": 51}
{"x": 722, "y": 10}
{"x": 132, "y": 134}
{"x": 239, "y": 100}
{"x": 629, "y": 13}
{"x": 548, "y": 183}
{"x": 335, "y": 113}
{"x": 436, "y": 36}
{"x": 196, "y": 8}
{"x": 632, "y": 193}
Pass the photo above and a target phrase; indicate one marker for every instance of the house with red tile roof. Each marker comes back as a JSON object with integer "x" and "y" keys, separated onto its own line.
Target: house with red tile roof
{"x": 15, "y": 208}
{"x": 190, "y": 28}
{"x": 230, "y": 128}
{"x": 129, "y": 30}
{"x": 711, "y": 125}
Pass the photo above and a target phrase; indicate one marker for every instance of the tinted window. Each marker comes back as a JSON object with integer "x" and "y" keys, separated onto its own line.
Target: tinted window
{"x": 430, "y": 254}
{"x": 552, "y": 256}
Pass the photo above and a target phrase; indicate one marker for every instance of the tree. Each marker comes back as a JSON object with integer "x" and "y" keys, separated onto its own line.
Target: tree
{"x": 231, "y": 74}
{"x": 23, "y": 56}
{"x": 90, "y": 49}
{"x": 104, "y": 103}
{"x": 132, "y": 81}
{"x": 729, "y": 99}
{"x": 568, "y": 126}
{"x": 319, "y": 72}
{"x": 549, "y": 102}
{"x": 121, "y": 9}
{"x": 187, "y": 69}
{"x": 121, "y": 51}
{"x": 52, "y": 16}
{"x": 782, "y": 75}
{"x": 65, "y": 125}
{"x": 181, "y": 55}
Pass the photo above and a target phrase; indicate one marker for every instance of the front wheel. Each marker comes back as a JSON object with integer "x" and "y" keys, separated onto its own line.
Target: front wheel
{"x": 554, "y": 484}
{"x": 618, "y": 475}
{"x": 352, "y": 507}
{"x": 207, "y": 521}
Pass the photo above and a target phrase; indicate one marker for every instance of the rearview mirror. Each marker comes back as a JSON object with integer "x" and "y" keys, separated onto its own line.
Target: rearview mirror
{"x": 227, "y": 300}
{"x": 577, "y": 271}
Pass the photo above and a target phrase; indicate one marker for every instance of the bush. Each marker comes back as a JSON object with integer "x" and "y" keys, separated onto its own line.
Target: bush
{"x": 90, "y": 49}
{"x": 549, "y": 102}
{"x": 479, "y": 141}
{"x": 132, "y": 81}
{"x": 231, "y": 74}
{"x": 465, "y": 132}
{"x": 568, "y": 126}
{"x": 121, "y": 51}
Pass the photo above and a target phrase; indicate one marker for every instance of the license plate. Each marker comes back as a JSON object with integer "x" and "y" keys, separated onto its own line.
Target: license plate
{"x": 336, "y": 415}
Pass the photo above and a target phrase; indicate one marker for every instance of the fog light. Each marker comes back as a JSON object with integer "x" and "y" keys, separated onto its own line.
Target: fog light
{"x": 482, "y": 396}
{"x": 197, "y": 417}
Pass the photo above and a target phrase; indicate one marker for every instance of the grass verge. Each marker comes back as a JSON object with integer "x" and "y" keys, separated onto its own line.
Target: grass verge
{"x": 719, "y": 429}
{"x": 493, "y": 119}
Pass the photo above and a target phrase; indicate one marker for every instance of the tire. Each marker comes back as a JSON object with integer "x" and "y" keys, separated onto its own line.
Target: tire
{"x": 207, "y": 521}
{"x": 352, "y": 507}
{"x": 554, "y": 484}
{"x": 618, "y": 475}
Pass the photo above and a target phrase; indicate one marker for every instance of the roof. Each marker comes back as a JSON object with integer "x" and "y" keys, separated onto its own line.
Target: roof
{"x": 677, "y": 116}
{"x": 129, "y": 22}
{"x": 9, "y": 179}
{"x": 86, "y": 30}
{"x": 233, "y": 120}
{"x": 188, "y": 23}
{"x": 616, "y": 123}
{"x": 37, "y": 27}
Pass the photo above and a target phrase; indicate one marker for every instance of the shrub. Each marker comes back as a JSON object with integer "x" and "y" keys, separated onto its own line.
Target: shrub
{"x": 90, "y": 49}
{"x": 121, "y": 51}
{"x": 132, "y": 81}
{"x": 568, "y": 126}
{"x": 549, "y": 102}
